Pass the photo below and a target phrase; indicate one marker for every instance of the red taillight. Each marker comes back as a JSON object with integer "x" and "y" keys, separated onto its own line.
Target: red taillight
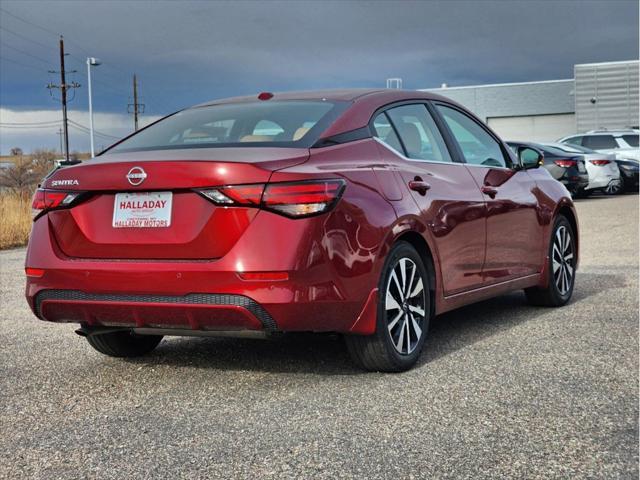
{"x": 34, "y": 272}
{"x": 566, "y": 163}
{"x": 302, "y": 199}
{"x": 248, "y": 195}
{"x": 292, "y": 199}
{"x": 44, "y": 200}
{"x": 600, "y": 163}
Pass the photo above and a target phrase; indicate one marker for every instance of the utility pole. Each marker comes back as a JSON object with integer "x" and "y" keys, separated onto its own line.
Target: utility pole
{"x": 135, "y": 102}
{"x": 61, "y": 147}
{"x": 63, "y": 90}
{"x": 135, "y": 107}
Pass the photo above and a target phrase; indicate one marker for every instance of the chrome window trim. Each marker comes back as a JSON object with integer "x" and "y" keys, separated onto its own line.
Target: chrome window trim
{"x": 417, "y": 160}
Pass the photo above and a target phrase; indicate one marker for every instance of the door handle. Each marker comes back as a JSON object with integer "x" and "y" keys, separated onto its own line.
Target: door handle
{"x": 419, "y": 185}
{"x": 487, "y": 190}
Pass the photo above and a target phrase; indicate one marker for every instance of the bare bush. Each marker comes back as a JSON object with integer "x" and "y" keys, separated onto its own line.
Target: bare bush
{"x": 42, "y": 161}
{"x": 20, "y": 177}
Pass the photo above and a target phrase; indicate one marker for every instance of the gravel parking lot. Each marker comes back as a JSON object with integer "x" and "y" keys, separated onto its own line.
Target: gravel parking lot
{"x": 503, "y": 390}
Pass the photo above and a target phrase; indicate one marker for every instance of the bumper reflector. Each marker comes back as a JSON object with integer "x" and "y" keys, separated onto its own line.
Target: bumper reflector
{"x": 264, "y": 276}
{"x": 34, "y": 272}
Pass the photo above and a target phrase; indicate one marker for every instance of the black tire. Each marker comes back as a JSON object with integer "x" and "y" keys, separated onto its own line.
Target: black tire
{"x": 124, "y": 343}
{"x": 558, "y": 290}
{"x": 380, "y": 351}
{"x": 582, "y": 193}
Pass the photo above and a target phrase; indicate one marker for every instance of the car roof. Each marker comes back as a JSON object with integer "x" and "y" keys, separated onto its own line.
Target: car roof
{"x": 364, "y": 103}
{"x": 345, "y": 94}
{"x": 617, "y": 131}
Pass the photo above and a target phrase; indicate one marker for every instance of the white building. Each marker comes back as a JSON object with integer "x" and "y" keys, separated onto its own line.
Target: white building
{"x": 601, "y": 95}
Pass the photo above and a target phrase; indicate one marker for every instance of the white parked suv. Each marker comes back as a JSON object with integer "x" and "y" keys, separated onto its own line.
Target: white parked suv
{"x": 623, "y": 143}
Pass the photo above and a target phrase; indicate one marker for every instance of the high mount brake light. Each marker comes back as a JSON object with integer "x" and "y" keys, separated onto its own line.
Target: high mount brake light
{"x": 45, "y": 200}
{"x": 600, "y": 163}
{"x": 566, "y": 163}
{"x": 291, "y": 199}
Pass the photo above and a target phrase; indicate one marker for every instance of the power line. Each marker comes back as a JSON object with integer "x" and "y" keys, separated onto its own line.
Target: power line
{"x": 19, "y": 63}
{"x": 28, "y": 127}
{"x": 48, "y": 62}
{"x": 26, "y": 124}
{"x": 56, "y": 123}
{"x": 24, "y": 37}
{"x": 79, "y": 47}
{"x": 78, "y": 124}
{"x": 28, "y": 22}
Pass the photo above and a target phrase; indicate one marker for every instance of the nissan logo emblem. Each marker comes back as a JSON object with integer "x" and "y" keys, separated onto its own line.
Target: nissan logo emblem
{"x": 136, "y": 176}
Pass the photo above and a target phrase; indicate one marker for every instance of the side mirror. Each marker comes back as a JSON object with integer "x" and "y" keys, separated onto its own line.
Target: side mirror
{"x": 530, "y": 158}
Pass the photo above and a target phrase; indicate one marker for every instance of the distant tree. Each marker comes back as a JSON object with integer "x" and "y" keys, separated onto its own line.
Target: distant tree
{"x": 16, "y": 152}
{"x": 43, "y": 161}
{"x": 19, "y": 178}
{"x": 74, "y": 156}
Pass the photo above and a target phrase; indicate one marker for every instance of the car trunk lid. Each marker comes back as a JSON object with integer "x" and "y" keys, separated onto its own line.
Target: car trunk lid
{"x": 124, "y": 188}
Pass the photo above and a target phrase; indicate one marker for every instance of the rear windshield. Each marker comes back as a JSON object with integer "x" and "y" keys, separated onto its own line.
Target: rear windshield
{"x": 557, "y": 152}
{"x": 289, "y": 123}
{"x": 572, "y": 148}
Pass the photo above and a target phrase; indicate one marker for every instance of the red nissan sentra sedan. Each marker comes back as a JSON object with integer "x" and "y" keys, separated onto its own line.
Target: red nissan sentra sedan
{"x": 362, "y": 212}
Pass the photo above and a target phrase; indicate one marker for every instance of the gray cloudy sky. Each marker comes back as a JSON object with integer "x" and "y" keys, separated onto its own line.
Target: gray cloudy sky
{"x": 188, "y": 52}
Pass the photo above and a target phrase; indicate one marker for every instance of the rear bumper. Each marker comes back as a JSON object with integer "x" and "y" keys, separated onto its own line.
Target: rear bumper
{"x": 326, "y": 290}
{"x": 602, "y": 180}
{"x": 193, "y": 312}
{"x": 630, "y": 180}
{"x": 574, "y": 183}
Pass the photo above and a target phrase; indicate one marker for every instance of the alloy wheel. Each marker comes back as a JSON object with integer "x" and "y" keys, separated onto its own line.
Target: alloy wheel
{"x": 563, "y": 260}
{"x": 613, "y": 188}
{"x": 405, "y": 306}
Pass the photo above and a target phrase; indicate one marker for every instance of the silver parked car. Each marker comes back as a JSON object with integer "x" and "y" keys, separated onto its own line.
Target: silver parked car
{"x": 604, "y": 174}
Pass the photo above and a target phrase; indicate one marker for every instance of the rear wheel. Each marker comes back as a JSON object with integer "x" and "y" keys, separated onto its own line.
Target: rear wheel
{"x": 123, "y": 343}
{"x": 614, "y": 188}
{"x": 561, "y": 268}
{"x": 403, "y": 315}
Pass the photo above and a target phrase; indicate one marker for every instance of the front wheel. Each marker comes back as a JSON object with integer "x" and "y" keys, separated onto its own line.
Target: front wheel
{"x": 561, "y": 268}
{"x": 123, "y": 343}
{"x": 403, "y": 315}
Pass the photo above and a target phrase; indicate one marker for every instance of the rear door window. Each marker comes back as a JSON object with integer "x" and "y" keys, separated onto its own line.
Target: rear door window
{"x": 599, "y": 142}
{"x": 632, "y": 140}
{"x": 385, "y": 132}
{"x": 478, "y": 147}
{"x": 419, "y": 134}
{"x": 574, "y": 140}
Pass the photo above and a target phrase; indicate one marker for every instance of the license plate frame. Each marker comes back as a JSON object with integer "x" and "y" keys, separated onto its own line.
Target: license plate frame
{"x": 142, "y": 210}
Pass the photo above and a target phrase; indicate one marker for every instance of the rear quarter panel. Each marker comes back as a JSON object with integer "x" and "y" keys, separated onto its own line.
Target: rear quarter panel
{"x": 553, "y": 198}
{"x": 352, "y": 239}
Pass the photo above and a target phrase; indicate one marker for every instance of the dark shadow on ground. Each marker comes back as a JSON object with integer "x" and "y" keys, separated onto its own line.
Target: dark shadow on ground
{"x": 325, "y": 354}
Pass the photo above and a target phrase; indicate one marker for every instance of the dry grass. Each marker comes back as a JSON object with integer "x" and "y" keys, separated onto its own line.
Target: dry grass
{"x": 15, "y": 219}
